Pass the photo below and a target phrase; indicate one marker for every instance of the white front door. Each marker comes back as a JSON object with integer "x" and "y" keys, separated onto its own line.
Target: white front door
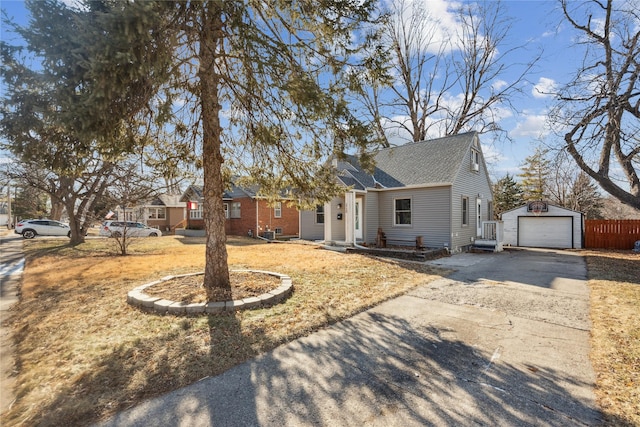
{"x": 357, "y": 218}
{"x": 479, "y": 218}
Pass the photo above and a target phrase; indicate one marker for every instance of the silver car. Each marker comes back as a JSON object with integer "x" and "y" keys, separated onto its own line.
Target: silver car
{"x": 30, "y": 228}
{"x": 129, "y": 229}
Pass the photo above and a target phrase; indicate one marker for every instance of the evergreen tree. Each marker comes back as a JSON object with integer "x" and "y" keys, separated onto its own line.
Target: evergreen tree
{"x": 586, "y": 198}
{"x": 535, "y": 172}
{"x": 259, "y": 88}
{"x": 507, "y": 195}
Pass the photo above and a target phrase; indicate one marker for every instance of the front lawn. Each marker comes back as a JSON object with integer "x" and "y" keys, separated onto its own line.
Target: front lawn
{"x": 84, "y": 353}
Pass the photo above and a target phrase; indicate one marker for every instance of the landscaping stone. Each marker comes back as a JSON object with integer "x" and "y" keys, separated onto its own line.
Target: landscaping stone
{"x": 139, "y": 298}
{"x": 252, "y": 302}
{"x": 214, "y": 307}
{"x": 195, "y": 308}
{"x": 234, "y": 305}
{"x": 161, "y": 306}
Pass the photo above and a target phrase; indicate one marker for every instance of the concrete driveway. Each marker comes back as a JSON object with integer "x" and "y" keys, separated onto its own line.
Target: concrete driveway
{"x": 503, "y": 341}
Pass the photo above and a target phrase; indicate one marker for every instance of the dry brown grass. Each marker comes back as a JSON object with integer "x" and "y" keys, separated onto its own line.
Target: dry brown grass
{"x": 614, "y": 280}
{"x": 84, "y": 353}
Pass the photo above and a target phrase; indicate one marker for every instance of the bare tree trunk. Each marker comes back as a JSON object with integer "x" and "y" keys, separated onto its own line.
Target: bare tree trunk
{"x": 216, "y": 274}
{"x": 56, "y": 209}
{"x": 77, "y": 234}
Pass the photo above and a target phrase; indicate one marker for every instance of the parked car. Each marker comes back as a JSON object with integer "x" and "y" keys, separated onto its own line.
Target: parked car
{"x": 30, "y": 228}
{"x": 130, "y": 229}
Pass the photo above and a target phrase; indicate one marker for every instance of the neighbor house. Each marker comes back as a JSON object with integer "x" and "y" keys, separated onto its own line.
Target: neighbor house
{"x": 165, "y": 212}
{"x": 247, "y": 213}
{"x": 435, "y": 192}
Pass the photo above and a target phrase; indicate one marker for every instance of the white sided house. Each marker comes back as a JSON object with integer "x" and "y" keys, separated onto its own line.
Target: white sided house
{"x": 543, "y": 225}
{"x": 435, "y": 194}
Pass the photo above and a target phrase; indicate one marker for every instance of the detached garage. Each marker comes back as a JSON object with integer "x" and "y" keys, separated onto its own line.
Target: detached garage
{"x": 542, "y": 225}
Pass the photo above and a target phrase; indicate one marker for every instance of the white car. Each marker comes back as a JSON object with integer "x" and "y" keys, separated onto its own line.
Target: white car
{"x": 30, "y": 228}
{"x": 129, "y": 229}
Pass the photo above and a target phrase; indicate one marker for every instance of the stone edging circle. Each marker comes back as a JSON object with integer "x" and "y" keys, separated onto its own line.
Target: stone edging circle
{"x": 138, "y": 298}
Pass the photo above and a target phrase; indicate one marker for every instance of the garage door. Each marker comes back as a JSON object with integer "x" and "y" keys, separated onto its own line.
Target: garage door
{"x": 545, "y": 232}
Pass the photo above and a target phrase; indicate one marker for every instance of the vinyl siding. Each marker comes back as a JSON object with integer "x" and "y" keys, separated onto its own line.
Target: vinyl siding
{"x": 371, "y": 216}
{"x": 429, "y": 215}
{"x": 309, "y": 229}
{"x": 337, "y": 225}
{"x": 469, "y": 183}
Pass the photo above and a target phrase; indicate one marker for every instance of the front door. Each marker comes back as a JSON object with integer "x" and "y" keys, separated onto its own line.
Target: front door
{"x": 479, "y": 218}
{"x": 357, "y": 220}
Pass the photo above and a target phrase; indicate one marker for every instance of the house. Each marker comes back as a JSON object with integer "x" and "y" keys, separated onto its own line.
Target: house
{"x": 543, "y": 225}
{"x": 433, "y": 193}
{"x": 246, "y": 212}
{"x": 165, "y": 212}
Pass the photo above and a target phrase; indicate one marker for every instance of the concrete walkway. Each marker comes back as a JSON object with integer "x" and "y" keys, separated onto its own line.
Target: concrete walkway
{"x": 504, "y": 341}
{"x": 11, "y": 266}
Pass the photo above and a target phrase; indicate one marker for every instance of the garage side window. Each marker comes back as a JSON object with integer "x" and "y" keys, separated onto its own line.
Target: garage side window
{"x": 465, "y": 211}
{"x": 402, "y": 212}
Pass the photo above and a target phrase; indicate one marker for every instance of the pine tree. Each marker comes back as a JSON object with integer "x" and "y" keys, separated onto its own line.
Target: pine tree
{"x": 258, "y": 88}
{"x": 507, "y": 195}
{"x": 586, "y": 198}
{"x": 535, "y": 172}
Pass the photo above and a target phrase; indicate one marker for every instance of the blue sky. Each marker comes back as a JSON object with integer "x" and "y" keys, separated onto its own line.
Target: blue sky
{"x": 537, "y": 25}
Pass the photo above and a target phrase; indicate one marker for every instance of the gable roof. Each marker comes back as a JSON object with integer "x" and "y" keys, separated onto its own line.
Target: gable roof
{"x": 436, "y": 161}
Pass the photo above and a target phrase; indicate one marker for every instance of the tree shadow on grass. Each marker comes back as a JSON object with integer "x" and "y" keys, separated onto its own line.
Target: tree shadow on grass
{"x": 374, "y": 369}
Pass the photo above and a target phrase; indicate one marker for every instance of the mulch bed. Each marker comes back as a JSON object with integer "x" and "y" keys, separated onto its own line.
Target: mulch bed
{"x": 190, "y": 289}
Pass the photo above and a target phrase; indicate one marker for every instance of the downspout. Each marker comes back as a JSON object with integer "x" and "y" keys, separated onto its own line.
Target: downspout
{"x": 257, "y": 218}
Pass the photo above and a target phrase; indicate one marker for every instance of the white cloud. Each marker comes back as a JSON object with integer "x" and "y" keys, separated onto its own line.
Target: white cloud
{"x": 436, "y": 19}
{"x": 532, "y": 126}
{"x": 499, "y": 84}
{"x": 544, "y": 88}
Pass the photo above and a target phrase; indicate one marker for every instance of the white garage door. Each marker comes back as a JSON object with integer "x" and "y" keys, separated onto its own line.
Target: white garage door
{"x": 545, "y": 232}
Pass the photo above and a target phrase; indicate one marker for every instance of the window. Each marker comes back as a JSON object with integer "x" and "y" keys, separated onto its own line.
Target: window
{"x": 402, "y": 211}
{"x": 319, "y": 214}
{"x": 196, "y": 213}
{"x": 235, "y": 210}
{"x": 277, "y": 210}
{"x": 157, "y": 213}
{"x": 475, "y": 160}
{"x": 226, "y": 210}
{"x": 465, "y": 211}
{"x": 278, "y": 230}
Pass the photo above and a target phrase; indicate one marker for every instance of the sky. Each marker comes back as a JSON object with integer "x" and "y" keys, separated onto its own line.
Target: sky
{"x": 536, "y": 25}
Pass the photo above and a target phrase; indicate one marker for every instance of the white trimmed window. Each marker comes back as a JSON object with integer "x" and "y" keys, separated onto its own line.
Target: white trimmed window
{"x": 196, "y": 213}
{"x": 235, "y": 210}
{"x": 157, "y": 213}
{"x": 465, "y": 211}
{"x": 475, "y": 160}
{"x": 226, "y": 210}
{"x": 319, "y": 214}
{"x": 277, "y": 210}
{"x": 402, "y": 211}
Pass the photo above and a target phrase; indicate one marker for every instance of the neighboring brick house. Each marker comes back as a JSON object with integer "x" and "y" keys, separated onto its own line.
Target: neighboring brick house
{"x": 247, "y": 213}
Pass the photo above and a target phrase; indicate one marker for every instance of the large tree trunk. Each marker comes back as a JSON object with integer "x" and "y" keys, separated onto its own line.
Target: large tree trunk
{"x": 77, "y": 233}
{"x": 216, "y": 273}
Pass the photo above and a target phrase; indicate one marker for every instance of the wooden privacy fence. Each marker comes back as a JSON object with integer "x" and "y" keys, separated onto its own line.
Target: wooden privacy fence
{"x": 611, "y": 233}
